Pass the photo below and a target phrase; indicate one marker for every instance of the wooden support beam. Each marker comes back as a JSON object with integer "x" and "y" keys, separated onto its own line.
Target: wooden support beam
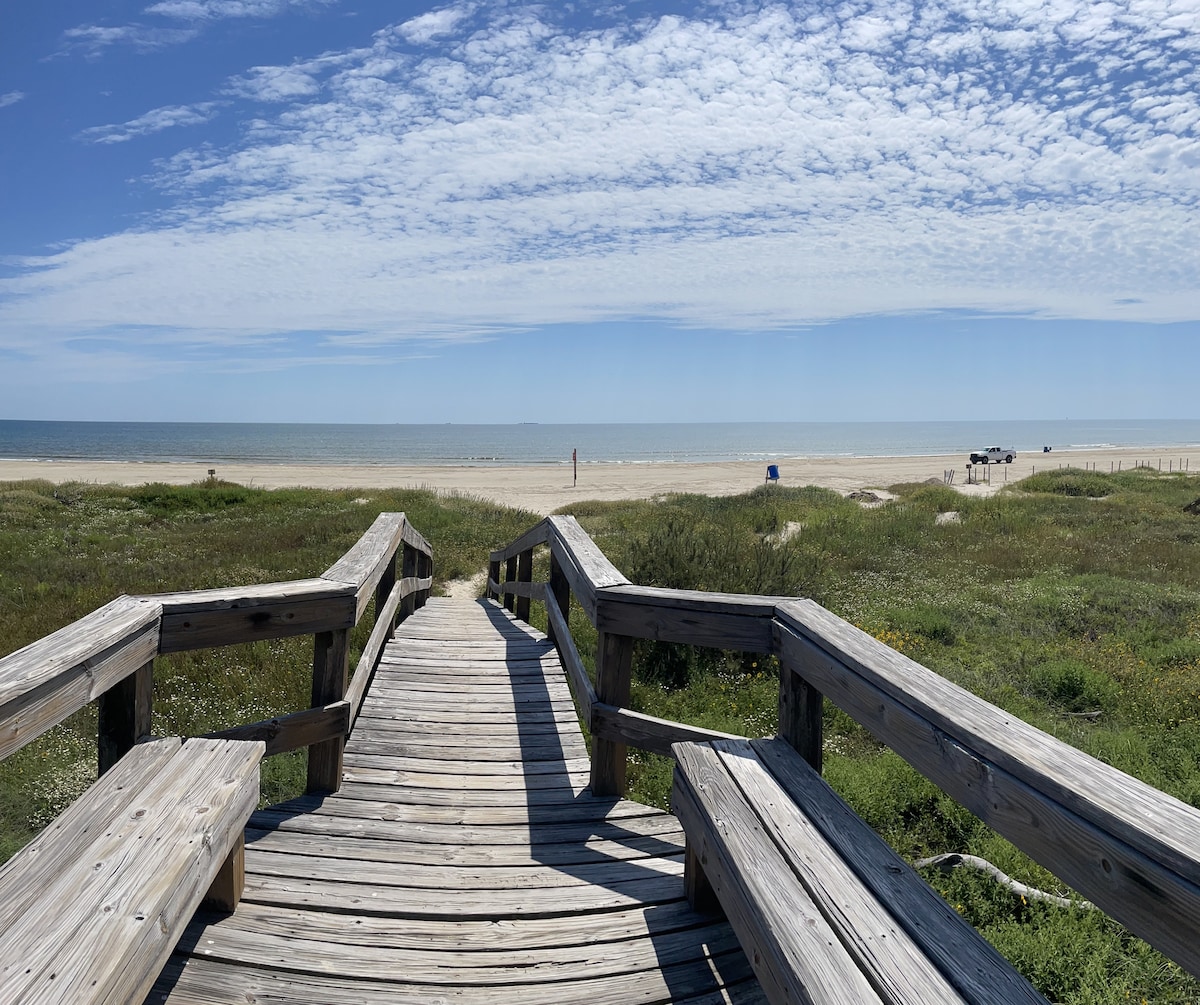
{"x": 510, "y": 572}
{"x": 493, "y": 577}
{"x": 331, "y": 671}
{"x": 125, "y": 711}
{"x": 410, "y": 570}
{"x": 614, "y": 660}
{"x": 382, "y": 592}
{"x": 229, "y": 882}
{"x": 560, "y": 588}
{"x": 524, "y": 575}
{"x": 800, "y": 719}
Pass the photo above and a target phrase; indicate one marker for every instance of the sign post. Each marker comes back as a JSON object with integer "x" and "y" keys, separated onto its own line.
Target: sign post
{"x": 575, "y": 467}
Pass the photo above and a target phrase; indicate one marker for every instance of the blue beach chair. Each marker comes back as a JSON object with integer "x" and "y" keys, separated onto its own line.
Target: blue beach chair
{"x": 772, "y": 473}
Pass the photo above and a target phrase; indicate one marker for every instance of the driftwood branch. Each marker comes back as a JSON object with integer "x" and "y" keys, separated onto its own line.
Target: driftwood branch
{"x": 954, "y": 860}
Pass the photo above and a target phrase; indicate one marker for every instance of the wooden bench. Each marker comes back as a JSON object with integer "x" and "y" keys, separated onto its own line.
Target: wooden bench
{"x": 91, "y": 909}
{"x": 825, "y": 910}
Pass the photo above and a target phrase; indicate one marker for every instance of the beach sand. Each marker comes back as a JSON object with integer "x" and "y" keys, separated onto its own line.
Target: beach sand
{"x": 544, "y": 489}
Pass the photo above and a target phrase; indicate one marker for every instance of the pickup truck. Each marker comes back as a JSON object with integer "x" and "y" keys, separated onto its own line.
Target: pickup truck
{"x": 993, "y": 455}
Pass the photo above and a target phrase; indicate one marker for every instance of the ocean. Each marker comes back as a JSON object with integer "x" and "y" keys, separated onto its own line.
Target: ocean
{"x": 626, "y": 443}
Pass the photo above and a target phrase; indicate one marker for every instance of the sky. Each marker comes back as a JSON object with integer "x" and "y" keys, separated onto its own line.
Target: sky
{"x": 489, "y": 211}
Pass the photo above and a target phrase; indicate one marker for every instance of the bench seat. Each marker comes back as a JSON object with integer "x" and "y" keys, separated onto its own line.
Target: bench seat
{"x": 824, "y": 909}
{"x": 91, "y": 909}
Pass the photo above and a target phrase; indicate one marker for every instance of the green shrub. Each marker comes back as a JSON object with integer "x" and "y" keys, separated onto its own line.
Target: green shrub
{"x": 1073, "y": 686}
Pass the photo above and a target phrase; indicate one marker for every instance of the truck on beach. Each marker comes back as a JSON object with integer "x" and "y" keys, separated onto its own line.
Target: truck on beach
{"x": 993, "y": 455}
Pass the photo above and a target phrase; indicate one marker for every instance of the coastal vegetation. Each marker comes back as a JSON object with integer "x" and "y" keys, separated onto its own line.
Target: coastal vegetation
{"x": 1071, "y": 599}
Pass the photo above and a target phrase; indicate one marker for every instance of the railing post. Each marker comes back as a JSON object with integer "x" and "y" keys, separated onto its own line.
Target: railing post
{"x": 510, "y": 573}
{"x": 425, "y": 571}
{"x": 493, "y": 577}
{"x": 800, "y": 721}
{"x": 331, "y": 672}
{"x": 409, "y": 570}
{"x": 384, "y": 590}
{"x": 560, "y": 589}
{"x": 614, "y": 660}
{"x": 125, "y": 711}
{"x": 524, "y": 575}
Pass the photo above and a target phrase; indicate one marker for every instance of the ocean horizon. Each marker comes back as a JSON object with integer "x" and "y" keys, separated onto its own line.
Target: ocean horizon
{"x": 536, "y": 444}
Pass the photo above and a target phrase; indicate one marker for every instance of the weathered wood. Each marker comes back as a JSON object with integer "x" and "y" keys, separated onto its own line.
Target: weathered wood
{"x": 581, "y": 685}
{"x": 493, "y": 580}
{"x": 124, "y": 715}
{"x": 383, "y": 590}
{"x": 582, "y": 563}
{"x": 48, "y": 680}
{"x": 646, "y": 732}
{"x": 510, "y": 575}
{"x": 524, "y": 577}
{"x": 816, "y": 814}
{"x": 331, "y": 667}
{"x": 367, "y": 562}
{"x": 410, "y": 566}
{"x": 721, "y": 621}
{"x": 696, "y": 887}
{"x": 614, "y": 658}
{"x": 800, "y": 716}
{"x": 66, "y": 837}
{"x": 294, "y": 731}
{"x": 89, "y": 941}
{"x": 538, "y": 534}
{"x": 560, "y": 589}
{"x": 438, "y": 873}
{"x": 795, "y": 953}
{"x": 515, "y": 588}
{"x": 425, "y": 574}
{"x": 384, "y": 620}
{"x": 225, "y": 891}
{"x": 1130, "y": 849}
{"x": 208, "y": 618}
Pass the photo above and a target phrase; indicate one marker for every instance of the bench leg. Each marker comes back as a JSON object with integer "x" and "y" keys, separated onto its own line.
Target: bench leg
{"x": 700, "y": 893}
{"x": 228, "y": 884}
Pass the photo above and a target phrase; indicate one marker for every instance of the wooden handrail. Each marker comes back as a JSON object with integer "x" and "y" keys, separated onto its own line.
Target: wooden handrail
{"x": 48, "y": 680}
{"x": 1129, "y": 848}
{"x": 99, "y": 656}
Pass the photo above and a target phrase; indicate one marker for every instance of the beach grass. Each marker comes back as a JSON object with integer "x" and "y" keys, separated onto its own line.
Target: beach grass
{"x": 1070, "y": 592}
{"x": 1071, "y": 599}
{"x": 66, "y": 550}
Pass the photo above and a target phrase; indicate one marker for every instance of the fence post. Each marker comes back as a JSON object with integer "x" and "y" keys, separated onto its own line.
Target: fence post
{"x": 331, "y": 671}
{"x": 800, "y": 722}
{"x": 409, "y": 569}
{"x": 614, "y": 660}
{"x": 125, "y": 711}
{"x": 524, "y": 575}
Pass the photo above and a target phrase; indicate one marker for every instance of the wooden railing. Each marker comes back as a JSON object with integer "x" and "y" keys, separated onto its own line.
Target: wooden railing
{"x": 108, "y": 656}
{"x": 1132, "y": 850}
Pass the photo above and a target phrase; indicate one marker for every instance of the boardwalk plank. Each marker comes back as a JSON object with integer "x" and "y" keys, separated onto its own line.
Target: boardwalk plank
{"x": 464, "y": 858}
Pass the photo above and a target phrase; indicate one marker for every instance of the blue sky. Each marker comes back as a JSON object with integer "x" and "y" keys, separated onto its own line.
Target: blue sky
{"x": 345, "y": 210}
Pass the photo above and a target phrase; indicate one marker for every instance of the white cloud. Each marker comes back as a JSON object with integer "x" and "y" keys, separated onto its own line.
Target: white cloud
{"x": 92, "y": 40}
{"x": 424, "y": 28}
{"x": 274, "y": 83}
{"x": 765, "y": 166}
{"x": 212, "y": 10}
{"x": 153, "y": 121}
{"x": 11, "y": 98}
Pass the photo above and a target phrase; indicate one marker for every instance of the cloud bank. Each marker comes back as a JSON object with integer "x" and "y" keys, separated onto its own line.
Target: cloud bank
{"x": 753, "y": 166}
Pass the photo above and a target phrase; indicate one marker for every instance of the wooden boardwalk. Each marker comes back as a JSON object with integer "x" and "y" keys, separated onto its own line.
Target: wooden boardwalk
{"x": 463, "y": 859}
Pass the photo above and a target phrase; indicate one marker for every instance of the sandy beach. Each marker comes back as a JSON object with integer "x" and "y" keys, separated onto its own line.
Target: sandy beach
{"x": 544, "y": 489}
